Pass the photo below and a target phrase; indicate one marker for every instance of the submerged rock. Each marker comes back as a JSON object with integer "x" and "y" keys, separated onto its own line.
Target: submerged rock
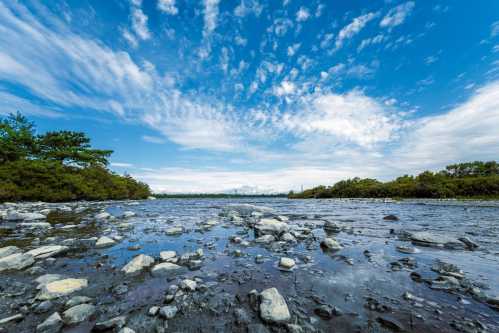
{"x": 425, "y": 238}
{"x": 390, "y": 217}
{"x": 61, "y": 288}
{"x": 137, "y": 264}
{"x": 16, "y": 261}
{"x": 273, "y": 307}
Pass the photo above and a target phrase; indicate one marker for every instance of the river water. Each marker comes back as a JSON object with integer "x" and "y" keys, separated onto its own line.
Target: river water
{"x": 367, "y": 286}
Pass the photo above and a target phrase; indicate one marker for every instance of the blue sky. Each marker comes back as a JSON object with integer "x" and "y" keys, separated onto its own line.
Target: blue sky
{"x": 209, "y": 95}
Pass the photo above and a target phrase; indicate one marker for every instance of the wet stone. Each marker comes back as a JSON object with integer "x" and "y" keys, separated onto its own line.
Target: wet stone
{"x": 273, "y": 307}
{"x": 52, "y": 324}
{"x": 79, "y": 313}
{"x": 138, "y": 264}
{"x": 168, "y": 312}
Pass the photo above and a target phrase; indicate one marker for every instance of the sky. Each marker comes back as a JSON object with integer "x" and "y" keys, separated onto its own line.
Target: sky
{"x": 263, "y": 96}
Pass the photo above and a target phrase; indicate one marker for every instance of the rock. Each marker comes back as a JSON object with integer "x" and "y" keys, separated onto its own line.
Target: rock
{"x": 165, "y": 269}
{"x": 137, "y": 264}
{"x": 273, "y": 307}
{"x": 167, "y": 255}
{"x": 61, "y": 288}
{"x": 390, "y": 323}
{"x": 331, "y": 244}
{"x": 114, "y": 323}
{"x": 18, "y": 216}
{"x": 259, "y": 259}
{"x": 407, "y": 249}
{"x": 286, "y": 263}
{"x": 153, "y": 311}
{"x": 46, "y": 278}
{"x": 102, "y": 216}
{"x": 444, "y": 268}
{"x": 174, "y": 231}
{"x": 265, "y": 239}
{"x": 425, "y": 238}
{"x": 77, "y": 300}
{"x": 52, "y": 324}
{"x": 188, "y": 285}
{"x": 16, "y": 261}
{"x": 246, "y": 209}
{"x": 270, "y": 227}
{"x": 104, "y": 242}
{"x": 330, "y": 226}
{"x": 79, "y": 313}
{"x": 34, "y": 225}
{"x": 17, "y": 317}
{"x": 8, "y": 250}
{"x": 43, "y": 307}
{"x": 168, "y": 312}
{"x": 48, "y": 251}
{"x": 126, "y": 329}
{"x": 469, "y": 243}
{"x": 289, "y": 238}
{"x": 390, "y": 217}
{"x": 128, "y": 214}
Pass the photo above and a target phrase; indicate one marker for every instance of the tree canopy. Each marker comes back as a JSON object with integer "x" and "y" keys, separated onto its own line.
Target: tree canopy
{"x": 466, "y": 180}
{"x": 57, "y": 166}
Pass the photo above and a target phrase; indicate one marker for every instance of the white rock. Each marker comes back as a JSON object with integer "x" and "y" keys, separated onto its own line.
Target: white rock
{"x": 61, "y": 288}
{"x": 104, "y": 242}
{"x": 137, "y": 264}
{"x": 102, "y": 216}
{"x": 17, "y": 216}
{"x": 16, "y": 261}
{"x": 167, "y": 255}
{"x": 165, "y": 269}
{"x": 17, "y": 317}
{"x": 8, "y": 250}
{"x": 188, "y": 285}
{"x": 128, "y": 214}
{"x": 126, "y": 330}
{"x": 270, "y": 227}
{"x": 273, "y": 307}
{"x": 34, "y": 225}
{"x": 331, "y": 244}
{"x": 168, "y": 312}
{"x": 47, "y": 251}
{"x": 286, "y": 263}
{"x": 174, "y": 231}
{"x": 47, "y": 278}
{"x": 265, "y": 239}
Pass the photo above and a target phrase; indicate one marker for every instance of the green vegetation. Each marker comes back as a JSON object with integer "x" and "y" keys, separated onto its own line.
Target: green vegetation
{"x": 57, "y": 166}
{"x": 464, "y": 180}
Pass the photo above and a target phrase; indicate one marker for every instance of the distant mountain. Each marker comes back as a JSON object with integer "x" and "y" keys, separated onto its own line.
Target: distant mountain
{"x": 250, "y": 190}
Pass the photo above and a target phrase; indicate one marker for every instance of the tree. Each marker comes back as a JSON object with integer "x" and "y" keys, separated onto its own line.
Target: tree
{"x": 72, "y": 148}
{"x": 17, "y": 140}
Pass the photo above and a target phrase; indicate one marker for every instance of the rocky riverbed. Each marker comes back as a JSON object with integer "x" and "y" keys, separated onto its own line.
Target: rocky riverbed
{"x": 250, "y": 265}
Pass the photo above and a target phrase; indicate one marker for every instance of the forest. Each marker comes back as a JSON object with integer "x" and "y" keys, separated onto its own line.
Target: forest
{"x": 57, "y": 166}
{"x": 463, "y": 180}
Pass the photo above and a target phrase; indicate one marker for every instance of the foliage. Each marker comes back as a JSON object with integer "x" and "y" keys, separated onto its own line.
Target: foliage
{"x": 465, "y": 180}
{"x": 57, "y": 166}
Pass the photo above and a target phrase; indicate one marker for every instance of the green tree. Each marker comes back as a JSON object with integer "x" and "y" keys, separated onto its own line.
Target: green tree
{"x": 17, "y": 139}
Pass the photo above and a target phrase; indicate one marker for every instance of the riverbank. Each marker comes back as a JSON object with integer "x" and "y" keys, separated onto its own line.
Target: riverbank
{"x": 256, "y": 264}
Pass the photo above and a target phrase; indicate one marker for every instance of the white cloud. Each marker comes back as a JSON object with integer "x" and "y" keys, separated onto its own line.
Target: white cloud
{"x": 285, "y": 88}
{"x": 247, "y": 7}
{"x": 121, "y": 165}
{"x": 210, "y": 16}
{"x": 130, "y": 38}
{"x": 239, "y": 40}
{"x": 96, "y": 77}
{"x": 302, "y": 14}
{"x": 465, "y": 133}
{"x": 378, "y": 39}
{"x": 168, "y": 6}
{"x": 351, "y": 117}
{"x": 153, "y": 139}
{"x": 353, "y": 28}
{"x": 292, "y": 49}
{"x": 396, "y": 16}
{"x": 494, "y": 29}
{"x": 139, "y": 24}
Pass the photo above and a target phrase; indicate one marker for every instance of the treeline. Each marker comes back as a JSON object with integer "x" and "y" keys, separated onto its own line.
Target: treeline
{"x": 463, "y": 180}
{"x": 57, "y": 166}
